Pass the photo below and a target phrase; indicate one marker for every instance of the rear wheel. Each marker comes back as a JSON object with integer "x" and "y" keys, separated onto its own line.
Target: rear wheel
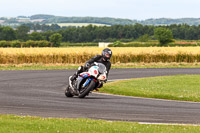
{"x": 67, "y": 92}
{"x": 86, "y": 91}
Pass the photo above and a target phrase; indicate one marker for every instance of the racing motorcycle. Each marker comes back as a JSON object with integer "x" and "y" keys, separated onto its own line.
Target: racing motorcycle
{"x": 87, "y": 81}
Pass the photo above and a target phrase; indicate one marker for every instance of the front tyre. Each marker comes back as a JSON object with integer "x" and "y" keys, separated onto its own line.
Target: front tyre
{"x": 89, "y": 88}
{"x": 67, "y": 92}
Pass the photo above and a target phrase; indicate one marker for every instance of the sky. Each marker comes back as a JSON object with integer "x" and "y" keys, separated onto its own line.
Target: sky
{"x": 129, "y": 9}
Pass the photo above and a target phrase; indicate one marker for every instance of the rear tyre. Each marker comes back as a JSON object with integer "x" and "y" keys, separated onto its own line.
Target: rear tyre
{"x": 89, "y": 88}
{"x": 67, "y": 92}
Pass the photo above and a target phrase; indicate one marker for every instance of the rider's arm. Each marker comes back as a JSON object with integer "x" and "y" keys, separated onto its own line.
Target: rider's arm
{"x": 92, "y": 60}
{"x": 108, "y": 68}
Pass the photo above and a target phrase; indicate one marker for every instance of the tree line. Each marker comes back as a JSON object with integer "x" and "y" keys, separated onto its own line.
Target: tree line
{"x": 114, "y": 21}
{"x": 125, "y": 33}
{"x": 51, "y": 19}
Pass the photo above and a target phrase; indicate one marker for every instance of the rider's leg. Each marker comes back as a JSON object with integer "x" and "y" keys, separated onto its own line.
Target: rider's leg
{"x": 100, "y": 85}
{"x": 80, "y": 70}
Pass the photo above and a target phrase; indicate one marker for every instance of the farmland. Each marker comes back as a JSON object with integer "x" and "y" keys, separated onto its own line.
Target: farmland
{"x": 79, "y": 24}
{"x": 80, "y": 55}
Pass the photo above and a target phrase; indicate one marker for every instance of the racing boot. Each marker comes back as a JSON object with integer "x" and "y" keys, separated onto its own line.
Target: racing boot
{"x": 72, "y": 80}
{"x": 72, "y": 85}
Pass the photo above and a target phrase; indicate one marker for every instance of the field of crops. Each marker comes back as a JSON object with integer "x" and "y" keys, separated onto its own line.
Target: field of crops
{"x": 79, "y": 24}
{"x": 80, "y": 55}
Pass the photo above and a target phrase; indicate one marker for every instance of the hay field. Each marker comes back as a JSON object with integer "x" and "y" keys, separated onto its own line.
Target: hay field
{"x": 79, "y": 55}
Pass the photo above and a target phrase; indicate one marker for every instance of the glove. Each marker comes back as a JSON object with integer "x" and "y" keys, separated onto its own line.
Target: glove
{"x": 95, "y": 63}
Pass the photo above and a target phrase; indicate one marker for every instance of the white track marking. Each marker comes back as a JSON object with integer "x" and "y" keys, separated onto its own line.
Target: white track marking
{"x": 146, "y": 98}
{"x": 168, "y": 124}
{"x": 117, "y": 80}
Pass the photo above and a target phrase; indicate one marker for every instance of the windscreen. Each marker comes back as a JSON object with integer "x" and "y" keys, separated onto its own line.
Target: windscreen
{"x": 102, "y": 68}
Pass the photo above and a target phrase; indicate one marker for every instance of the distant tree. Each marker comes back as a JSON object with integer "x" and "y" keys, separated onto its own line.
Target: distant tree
{"x": 41, "y": 16}
{"x": 45, "y": 27}
{"x": 22, "y": 32}
{"x": 55, "y": 39}
{"x": 35, "y": 36}
{"x": 163, "y": 35}
{"x": 55, "y": 27}
{"x": 144, "y": 38}
{"x": 116, "y": 44}
{"x": 7, "y": 34}
{"x": 11, "y": 20}
{"x": 47, "y": 35}
{"x": 123, "y": 33}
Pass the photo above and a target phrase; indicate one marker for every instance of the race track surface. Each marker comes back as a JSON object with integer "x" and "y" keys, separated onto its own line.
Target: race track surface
{"x": 41, "y": 93}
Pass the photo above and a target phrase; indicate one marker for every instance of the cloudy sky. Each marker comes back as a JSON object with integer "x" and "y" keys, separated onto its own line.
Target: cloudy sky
{"x": 131, "y": 9}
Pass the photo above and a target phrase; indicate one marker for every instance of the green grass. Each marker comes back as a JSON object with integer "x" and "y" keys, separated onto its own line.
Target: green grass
{"x": 158, "y": 66}
{"x": 22, "y": 124}
{"x": 180, "y": 87}
{"x": 37, "y": 67}
{"x": 75, "y": 66}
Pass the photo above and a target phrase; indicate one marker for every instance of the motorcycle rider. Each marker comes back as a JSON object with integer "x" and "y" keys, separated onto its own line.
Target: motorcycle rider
{"x": 104, "y": 59}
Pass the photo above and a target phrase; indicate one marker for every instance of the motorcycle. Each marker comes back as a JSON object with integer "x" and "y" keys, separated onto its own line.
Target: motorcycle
{"x": 87, "y": 81}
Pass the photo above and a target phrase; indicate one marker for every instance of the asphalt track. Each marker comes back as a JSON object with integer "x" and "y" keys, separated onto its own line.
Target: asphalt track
{"x": 41, "y": 93}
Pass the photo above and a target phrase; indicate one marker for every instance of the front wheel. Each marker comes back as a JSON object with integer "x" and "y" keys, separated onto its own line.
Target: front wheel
{"x": 88, "y": 89}
{"x": 67, "y": 92}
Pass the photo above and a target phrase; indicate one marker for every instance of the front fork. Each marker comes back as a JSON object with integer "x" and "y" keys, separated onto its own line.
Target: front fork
{"x": 89, "y": 80}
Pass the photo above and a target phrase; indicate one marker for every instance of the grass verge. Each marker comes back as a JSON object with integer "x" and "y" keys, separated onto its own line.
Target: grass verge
{"x": 180, "y": 87}
{"x": 114, "y": 66}
{"x": 38, "y": 66}
{"x": 22, "y": 124}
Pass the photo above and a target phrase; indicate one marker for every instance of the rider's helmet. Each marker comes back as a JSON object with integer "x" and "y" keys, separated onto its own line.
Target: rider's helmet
{"x": 107, "y": 53}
